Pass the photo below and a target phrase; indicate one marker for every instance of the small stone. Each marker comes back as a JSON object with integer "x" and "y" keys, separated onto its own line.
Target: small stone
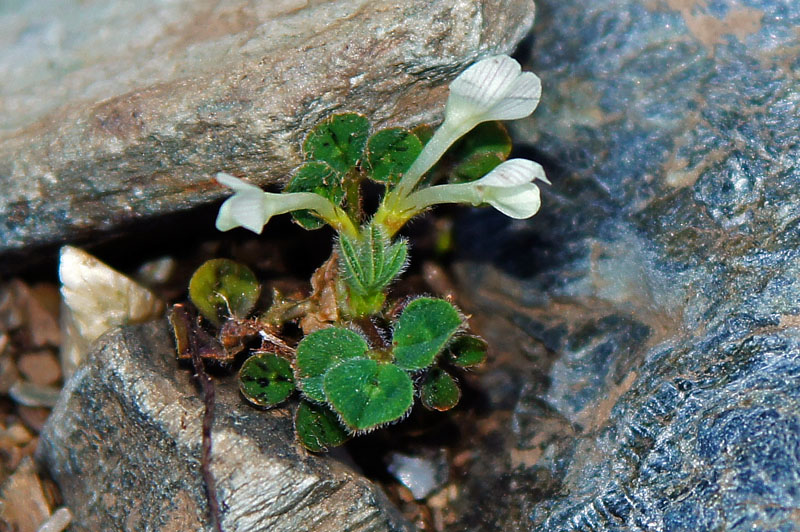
{"x": 43, "y": 312}
{"x": 9, "y": 374}
{"x": 23, "y": 505}
{"x": 127, "y": 433}
{"x": 156, "y": 272}
{"x": 11, "y": 314}
{"x": 16, "y": 443}
{"x": 40, "y": 367}
{"x": 34, "y": 395}
{"x": 97, "y": 298}
{"x": 34, "y": 308}
{"x": 15, "y": 435}
{"x": 421, "y": 475}
{"x": 58, "y": 522}
{"x": 34, "y": 417}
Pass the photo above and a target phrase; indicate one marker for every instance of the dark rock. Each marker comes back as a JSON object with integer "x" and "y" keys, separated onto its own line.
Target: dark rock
{"x": 654, "y": 301}
{"x": 123, "y": 444}
{"x": 115, "y": 115}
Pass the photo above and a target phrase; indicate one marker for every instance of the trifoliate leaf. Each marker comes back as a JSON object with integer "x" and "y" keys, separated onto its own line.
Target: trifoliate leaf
{"x": 222, "y": 288}
{"x": 320, "y": 178}
{"x": 367, "y": 394}
{"x": 422, "y": 331}
{"x": 266, "y": 379}
{"x": 423, "y": 132}
{"x": 318, "y": 428}
{"x": 439, "y": 390}
{"x": 338, "y": 140}
{"x": 390, "y": 153}
{"x": 467, "y": 351}
{"x": 321, "y": 350}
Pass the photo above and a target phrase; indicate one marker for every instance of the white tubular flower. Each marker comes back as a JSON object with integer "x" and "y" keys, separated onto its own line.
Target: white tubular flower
{"x": 248, "y": 207}
{"x": 509, "y": 188}
{"x": 492, "y": 89}
{"x": 251, "y": 208}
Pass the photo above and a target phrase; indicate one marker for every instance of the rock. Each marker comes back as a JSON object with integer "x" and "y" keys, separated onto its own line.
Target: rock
{"x": 112, "y": 114}
{"x": 40, "y": 367}
{"x": 645, "y": 323}
{"x": 96, "y": 298}
{"x": 421, "y": 475}
{"x": 124, "y": 446}
{"x": 23, "y": 507}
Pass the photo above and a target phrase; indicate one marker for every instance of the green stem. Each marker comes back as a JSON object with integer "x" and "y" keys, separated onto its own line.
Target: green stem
{"x": 408, "y": 207}
{"x": 444, "y": 137}
{"x": 455, "y": 193}
{"x": 393, "y": 212}
{"x": 333, "y": 215}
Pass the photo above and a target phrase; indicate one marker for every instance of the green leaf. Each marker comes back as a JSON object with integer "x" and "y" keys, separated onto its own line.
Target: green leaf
{"x": 475, "y": 167}
{"x": 439, "y": 390}
{"x": 473, "y": 156}
{"x": 222, "y": 288}
{"x": 467, "y": 351}
{"x": 318, "y": 428}
{"x": 390, "y": 153}
{"x": 319, "y": 178}
{"x": 370, "y": 262}
{"x": 424, "y": 132}
{"x": 338, "y": 140}
{"x": 321, "y": 350}
{"x": 266, "y": 379}
{"x": 367, "y": 394}
{"x": 478, "y": 152}
{"x": 395, "y": 259}
{"x": 422, "y": 331}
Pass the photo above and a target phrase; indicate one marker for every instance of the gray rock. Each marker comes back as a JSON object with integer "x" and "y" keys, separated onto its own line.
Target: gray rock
{"x": 653, "y": 304}
{"x": 124, "y": 446}
{"x": 118, "y": 112}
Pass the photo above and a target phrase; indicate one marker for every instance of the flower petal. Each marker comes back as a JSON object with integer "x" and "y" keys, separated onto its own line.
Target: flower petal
{"x": 248, "y": 207}
{"x": 238, "y": 185}
{"x": 493, "y": 89}
{"x": 512, "y": 173}
{"x": 522, "y": 201}
{"x": 521, "y": 99}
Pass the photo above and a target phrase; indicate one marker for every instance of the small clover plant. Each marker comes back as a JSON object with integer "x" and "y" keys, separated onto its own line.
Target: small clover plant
{"x": 362, "y": 366}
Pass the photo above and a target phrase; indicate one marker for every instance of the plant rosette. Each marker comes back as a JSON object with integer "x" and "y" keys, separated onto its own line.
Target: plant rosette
{"x": 346, "y": 385}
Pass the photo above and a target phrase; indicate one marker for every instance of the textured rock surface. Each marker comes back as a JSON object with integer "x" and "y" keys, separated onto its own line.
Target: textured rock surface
{"x": 124, "y": 445}
{"x": 117, "y": 112}
{"x": 654, "y": 301}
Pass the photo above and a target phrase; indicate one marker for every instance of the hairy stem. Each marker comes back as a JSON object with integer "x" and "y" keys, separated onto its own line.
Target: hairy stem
{"x": 207, "y": 387}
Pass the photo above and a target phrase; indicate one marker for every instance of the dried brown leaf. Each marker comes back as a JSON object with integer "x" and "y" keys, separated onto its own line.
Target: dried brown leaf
{"x": 324, "y": 308}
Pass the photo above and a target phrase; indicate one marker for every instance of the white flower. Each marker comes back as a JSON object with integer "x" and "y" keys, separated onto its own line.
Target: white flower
{"x": 248, "y": 207}
{"x": 509, "y": 188}
{"x": 492, "y": 89}
{"x": 251, "y": 208}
